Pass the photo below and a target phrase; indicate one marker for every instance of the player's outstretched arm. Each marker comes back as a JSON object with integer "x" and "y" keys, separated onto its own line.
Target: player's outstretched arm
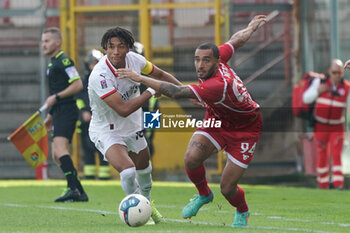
{"x": 165, "y": 88}
{"x": 125, "y": 108}
{"x": 239, "y": 38}
{"x": 164, "y": 76}
{"x": 347, "y": 65}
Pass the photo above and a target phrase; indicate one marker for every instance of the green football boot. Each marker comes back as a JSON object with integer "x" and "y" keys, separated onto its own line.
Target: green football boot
{"x": 195, "y": 204}
{"x": 241, "y": 219}
{"x": 156, "y": 216}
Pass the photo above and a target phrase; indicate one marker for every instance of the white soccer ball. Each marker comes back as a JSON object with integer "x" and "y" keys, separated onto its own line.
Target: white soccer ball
{"x": 135, "y": 210}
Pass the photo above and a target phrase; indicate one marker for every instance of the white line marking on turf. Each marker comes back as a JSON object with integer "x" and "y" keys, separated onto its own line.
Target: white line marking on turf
{"x": 60, "y": 208}
{"x": 304, "y": 220}
{"x": 183, "y": 220}
{"x": 289, "y": 229}
{"x": 250, "y": 227}
{"x": 13, "y": 205}
{"x": 77, "y": 209}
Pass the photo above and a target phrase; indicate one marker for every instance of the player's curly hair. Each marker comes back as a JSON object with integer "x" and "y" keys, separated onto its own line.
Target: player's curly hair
{"x": 121, "y": 33}
{"x": 211, "y": 46}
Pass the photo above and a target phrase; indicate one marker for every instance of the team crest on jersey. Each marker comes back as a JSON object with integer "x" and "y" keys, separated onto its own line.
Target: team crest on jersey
{"x": 245, "y": 157}
{"x": 103, "y": 84}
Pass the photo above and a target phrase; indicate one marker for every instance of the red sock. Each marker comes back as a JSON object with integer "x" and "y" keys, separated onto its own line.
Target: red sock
{"x": 197, "y": 176}
{"x": 238, "y": 201}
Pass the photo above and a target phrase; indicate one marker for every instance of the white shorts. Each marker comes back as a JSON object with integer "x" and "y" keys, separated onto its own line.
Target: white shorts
{"x": 104, "y": 140}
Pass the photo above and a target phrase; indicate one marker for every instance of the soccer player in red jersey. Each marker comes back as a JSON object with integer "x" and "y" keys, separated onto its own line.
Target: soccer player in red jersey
{"x": 226, "y": 99}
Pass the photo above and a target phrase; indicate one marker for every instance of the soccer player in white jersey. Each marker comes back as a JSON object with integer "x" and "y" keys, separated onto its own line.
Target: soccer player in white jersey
{"x": 226, "y": 99}
{"x": 116, "y": 125}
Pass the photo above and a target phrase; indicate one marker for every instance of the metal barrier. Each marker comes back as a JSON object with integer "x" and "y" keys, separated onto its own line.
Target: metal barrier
{"x": 70, "y": 9}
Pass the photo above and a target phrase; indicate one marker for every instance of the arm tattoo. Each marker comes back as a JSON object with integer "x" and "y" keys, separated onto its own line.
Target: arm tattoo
{"x": 175, "y": 92}
{"x": 240, "y": 37}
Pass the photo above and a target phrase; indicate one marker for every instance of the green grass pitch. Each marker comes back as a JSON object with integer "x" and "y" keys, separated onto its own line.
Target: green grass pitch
{"x": 27, "y": 206}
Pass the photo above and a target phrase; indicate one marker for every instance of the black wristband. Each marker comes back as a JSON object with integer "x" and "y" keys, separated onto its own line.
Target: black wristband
{"x": 58, "y": 97}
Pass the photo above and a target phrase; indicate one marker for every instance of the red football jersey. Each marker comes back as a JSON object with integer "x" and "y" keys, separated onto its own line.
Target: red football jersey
{"x": 225, "y": 96}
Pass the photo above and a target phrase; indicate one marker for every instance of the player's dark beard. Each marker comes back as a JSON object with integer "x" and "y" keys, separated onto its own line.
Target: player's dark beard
{"x": 211, "y": 72}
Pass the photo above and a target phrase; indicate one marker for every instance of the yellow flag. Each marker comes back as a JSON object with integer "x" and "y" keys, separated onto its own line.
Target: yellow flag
{"x": 31, "y": 140}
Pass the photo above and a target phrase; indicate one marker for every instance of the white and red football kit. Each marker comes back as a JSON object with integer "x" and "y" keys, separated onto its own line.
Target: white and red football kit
{"x": 227, "y": 99}
{"x": 107, "y": 127}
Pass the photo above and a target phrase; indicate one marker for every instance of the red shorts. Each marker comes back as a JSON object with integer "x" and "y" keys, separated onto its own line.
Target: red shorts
{"x": 239, "y": 145}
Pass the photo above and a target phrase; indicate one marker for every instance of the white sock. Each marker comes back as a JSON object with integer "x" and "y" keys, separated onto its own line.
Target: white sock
{"x": 144, "y": 177}
{"x": 128, "y": 181}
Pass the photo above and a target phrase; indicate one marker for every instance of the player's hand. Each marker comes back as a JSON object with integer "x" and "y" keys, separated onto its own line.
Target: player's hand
{"x": 128, "y": 73}
{"x": 48, "y": 122}
{"x": 157, "y": 95}
{"x": 196, "y": 102}
{"x": 347, "y": 65}
{"x": 256, "y": 21}
{"x": 50, "y": 101}
{"x": 322, "y": 88}
{"x": 86, "y": 116}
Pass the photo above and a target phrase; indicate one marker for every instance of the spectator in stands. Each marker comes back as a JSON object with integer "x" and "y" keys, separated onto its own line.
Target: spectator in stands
{"x": 330, "y": 96}
{"x": 64, "y": 83}
{"x": 226, "y": 100}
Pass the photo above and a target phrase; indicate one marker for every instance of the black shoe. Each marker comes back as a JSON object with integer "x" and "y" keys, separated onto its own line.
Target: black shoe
{"x": 331, "y": 185}
{"x": 69, "y": 195}
{"x": 104, "y": 178}
{"x": 83, "y": 197}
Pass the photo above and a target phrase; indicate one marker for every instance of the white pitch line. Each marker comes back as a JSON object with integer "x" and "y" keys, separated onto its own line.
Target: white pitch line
{"x": 260, "y": 214}
{"x": 174, "y": 220}
{"x": 251, "y": 227}
{"x": 305, "y": 220}
{"x": 179, "y": 220}
{"x": 290, "y": 229}
{"x": 59, "y": 208}
{"x": 167, "y": 219}
{"x": 77, "y": 209}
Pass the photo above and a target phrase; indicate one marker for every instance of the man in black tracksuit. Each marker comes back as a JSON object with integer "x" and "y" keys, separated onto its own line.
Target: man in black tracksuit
{"x": 64, "y": 82}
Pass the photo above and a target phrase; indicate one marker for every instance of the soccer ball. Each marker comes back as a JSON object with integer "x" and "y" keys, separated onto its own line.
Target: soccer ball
{"x": 135, "y": 210}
